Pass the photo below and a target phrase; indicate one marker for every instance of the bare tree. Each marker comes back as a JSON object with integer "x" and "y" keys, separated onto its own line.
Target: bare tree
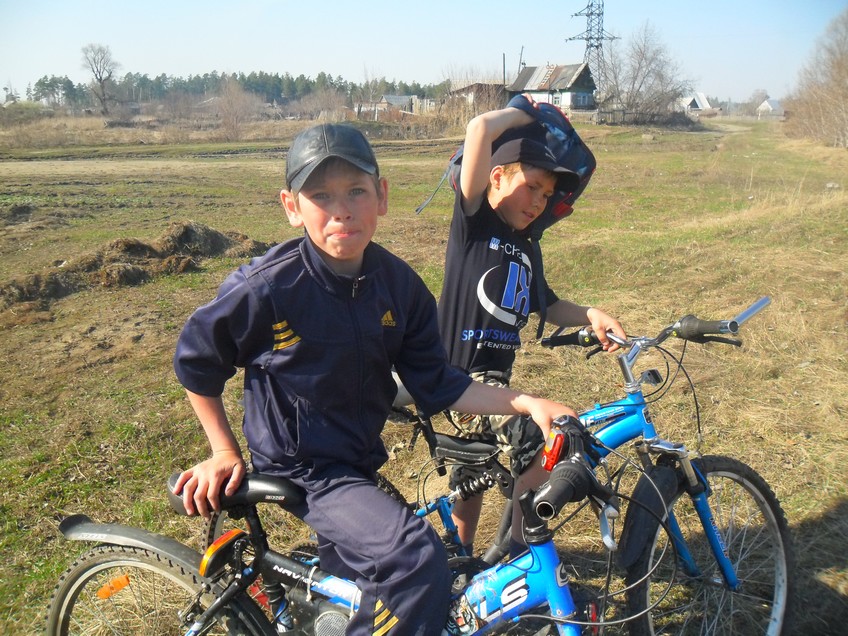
{"x": 322, "y": 102}
{"x": 98, "y": 59}
{"x": 643, "y": 78}
{"x": 470, "y": 92}
{"x": 819, "y": 106}
{"x": 235, "y": 107}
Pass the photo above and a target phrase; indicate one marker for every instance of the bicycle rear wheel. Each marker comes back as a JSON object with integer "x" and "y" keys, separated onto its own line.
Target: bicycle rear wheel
{"x": 754, "y": 529}
{"x": 119, "y": 590}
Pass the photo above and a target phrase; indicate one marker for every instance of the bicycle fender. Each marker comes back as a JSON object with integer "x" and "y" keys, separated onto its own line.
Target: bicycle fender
{"x": 82, "y": 528}
{"x": 640, "y": 526}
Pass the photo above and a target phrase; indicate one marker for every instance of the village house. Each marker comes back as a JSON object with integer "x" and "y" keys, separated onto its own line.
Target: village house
{"x": 695, "y": 103}
{"x": 490, "y": 95}
{"x": 770, "y": 108}
{"x": 570, "y": 86}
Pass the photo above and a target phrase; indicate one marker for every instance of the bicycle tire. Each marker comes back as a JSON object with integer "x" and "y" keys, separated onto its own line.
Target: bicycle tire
{"x": 756, "y": 534}
{"x": 280, "y": 526}
{"x": 124, "y": 590}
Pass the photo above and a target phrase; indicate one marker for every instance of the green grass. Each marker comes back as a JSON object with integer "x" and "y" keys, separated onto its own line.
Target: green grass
{"x": 706, "y": 222}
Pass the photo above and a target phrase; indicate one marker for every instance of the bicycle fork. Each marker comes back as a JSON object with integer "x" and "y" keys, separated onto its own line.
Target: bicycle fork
{"x": 699, "y": 492}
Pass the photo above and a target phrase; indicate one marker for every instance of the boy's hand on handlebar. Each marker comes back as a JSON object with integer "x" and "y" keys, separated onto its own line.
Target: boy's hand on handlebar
{"x": 200, "y": 485}
{"x": 602, "y": 323}
{"x": 544, "y": 412}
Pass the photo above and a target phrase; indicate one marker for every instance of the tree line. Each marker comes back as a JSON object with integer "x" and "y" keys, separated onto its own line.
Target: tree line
{"x": 818, "y": 108}
{"x": 641, "y": 78}
{"x": 108, "y": 88}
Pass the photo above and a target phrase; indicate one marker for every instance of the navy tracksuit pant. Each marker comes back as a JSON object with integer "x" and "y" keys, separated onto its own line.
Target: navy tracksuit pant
{"x": 396, "y": 559}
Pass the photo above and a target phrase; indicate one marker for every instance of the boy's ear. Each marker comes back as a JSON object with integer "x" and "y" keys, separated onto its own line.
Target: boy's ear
{"x": 496, "y": 177}
{"x": 289, "y": 201}
{"x": 384, "y": 199}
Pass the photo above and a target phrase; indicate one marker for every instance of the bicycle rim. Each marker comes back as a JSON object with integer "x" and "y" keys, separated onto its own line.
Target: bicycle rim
{"x": 119, "y": 590}
{"x": 754, "y": 529}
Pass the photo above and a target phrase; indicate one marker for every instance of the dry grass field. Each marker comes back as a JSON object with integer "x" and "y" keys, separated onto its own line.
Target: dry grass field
{"x": 107, "y": 245}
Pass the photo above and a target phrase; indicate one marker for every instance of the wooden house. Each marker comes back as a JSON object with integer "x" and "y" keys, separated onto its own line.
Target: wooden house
{"x": 570, "y": 86}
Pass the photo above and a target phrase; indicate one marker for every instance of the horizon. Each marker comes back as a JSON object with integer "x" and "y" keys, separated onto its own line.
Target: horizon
{"x": 758, "y": 47}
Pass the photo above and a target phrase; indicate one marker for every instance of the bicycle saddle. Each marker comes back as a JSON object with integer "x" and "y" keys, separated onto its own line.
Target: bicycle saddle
{"x": 254, "y": 489}
{"x": 466, "y": 450}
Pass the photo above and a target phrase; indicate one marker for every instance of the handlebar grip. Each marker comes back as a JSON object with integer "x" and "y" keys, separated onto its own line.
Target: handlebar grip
{"x": 690, "y": 327}
{"x": 569, "y": 481}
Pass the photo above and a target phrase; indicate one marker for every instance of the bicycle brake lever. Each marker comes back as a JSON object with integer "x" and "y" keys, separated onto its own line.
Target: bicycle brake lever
{"x": 594, "y": 351}
{"x": 606, "y": 513}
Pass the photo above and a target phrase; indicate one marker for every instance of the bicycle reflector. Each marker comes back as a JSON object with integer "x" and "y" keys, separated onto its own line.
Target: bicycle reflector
{"x": 113, "y": 587}
{"x": 218, "y": 554}
{"x": 553, "y": 448}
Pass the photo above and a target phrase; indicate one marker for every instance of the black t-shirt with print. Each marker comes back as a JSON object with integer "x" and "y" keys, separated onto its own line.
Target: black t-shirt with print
{"x": 488, "y": 293}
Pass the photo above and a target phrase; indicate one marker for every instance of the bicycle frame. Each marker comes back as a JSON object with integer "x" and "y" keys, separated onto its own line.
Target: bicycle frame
{"x": 499, "y": 594}
{"x": 627, "y": 419}
{"x": 614, "y": 424}
{"x": 506, "y": 591}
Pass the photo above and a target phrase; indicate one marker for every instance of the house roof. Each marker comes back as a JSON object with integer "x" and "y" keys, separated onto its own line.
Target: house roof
{"x": 397, "y": 100}
{"x": 548, "y": 78}
{"x": 472, "y": 87}
{"x": 696, "y": 101}
{"x": 771, "y": 105}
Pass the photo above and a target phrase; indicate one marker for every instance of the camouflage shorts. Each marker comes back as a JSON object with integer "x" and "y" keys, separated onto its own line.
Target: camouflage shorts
{"x": 516, "y": 435}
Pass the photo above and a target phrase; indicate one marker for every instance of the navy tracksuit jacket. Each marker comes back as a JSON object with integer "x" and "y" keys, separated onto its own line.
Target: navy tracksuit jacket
{"x": 317, "y": 350}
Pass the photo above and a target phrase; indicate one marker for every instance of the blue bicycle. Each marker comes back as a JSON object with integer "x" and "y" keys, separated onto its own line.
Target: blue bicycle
{"x": 705, "y": 546}
{"x": 137, "y": 582}
{"x": 732, "y": 572}
{"x": 726, "y": 568}
{"x": 733, "y": 567}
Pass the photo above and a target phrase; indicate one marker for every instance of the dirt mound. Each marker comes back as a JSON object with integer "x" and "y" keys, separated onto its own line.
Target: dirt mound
{"x": 128, "y": 261}
{"x": 16, "y": 214}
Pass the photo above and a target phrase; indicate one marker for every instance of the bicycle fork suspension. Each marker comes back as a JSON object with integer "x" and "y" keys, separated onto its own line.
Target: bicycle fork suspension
{"x": 699, "y": 491}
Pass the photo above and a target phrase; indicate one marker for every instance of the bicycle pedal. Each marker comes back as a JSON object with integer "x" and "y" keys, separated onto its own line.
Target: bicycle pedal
{"x": 219, "y": 554}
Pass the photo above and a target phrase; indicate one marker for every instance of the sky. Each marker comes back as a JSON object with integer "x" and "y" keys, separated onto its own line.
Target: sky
{"x": 726, "y": 48}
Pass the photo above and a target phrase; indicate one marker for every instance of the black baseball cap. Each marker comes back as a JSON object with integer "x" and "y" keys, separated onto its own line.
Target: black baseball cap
{"x": 531, "y": 152}
{"x": 311, "y": 147}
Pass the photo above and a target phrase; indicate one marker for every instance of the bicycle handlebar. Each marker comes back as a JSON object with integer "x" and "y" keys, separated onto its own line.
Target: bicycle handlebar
{"x": 572, "y": 479}
{"x": 689, "y": 327}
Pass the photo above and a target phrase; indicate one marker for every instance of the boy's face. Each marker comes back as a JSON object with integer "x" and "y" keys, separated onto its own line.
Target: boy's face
{"x": 520, "y": 196}
{"x": 338, "y": 206}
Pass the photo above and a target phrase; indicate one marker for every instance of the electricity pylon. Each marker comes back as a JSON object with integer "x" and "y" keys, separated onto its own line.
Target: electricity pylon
{"x": 594, "y": 35}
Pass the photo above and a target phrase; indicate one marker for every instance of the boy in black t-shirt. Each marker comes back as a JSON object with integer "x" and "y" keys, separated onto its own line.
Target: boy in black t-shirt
{"x": 490, "y": 288}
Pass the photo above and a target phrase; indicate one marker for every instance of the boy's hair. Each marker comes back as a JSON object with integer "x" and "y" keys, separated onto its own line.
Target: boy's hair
{"x": 315, "y": 145}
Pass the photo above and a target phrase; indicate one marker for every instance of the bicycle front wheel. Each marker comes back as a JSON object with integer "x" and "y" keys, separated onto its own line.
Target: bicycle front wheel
{"x": 129, "y": 591}
{"x": 753, "y": 527}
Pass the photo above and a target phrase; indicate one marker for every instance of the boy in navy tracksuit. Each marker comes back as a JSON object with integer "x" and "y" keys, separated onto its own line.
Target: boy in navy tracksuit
{"x": 318, "y": 323}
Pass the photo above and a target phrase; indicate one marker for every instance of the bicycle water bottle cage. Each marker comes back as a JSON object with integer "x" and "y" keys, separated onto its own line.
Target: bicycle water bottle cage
{"x": 220, "y": 553}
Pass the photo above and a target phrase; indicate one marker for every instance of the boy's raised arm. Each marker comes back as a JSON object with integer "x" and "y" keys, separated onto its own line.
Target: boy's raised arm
{"x": 477, "y": 152}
